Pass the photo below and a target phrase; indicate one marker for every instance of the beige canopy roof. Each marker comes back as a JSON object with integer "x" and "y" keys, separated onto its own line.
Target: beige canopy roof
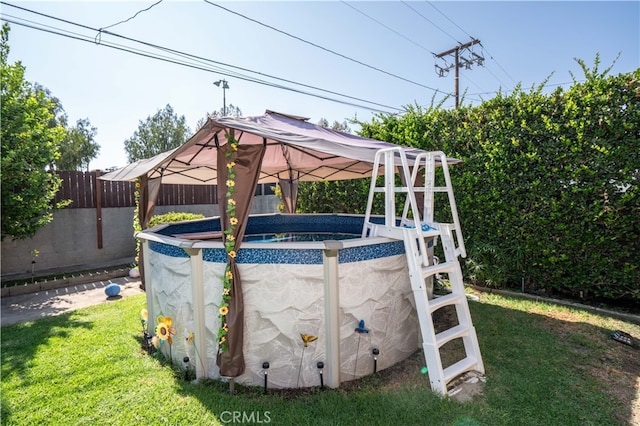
{"x": 296, "y": 150}
{"x": 271, "y": 148}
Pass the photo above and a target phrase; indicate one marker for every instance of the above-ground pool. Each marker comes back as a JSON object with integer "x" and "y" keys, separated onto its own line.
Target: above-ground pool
{"x": 297, "y": 279}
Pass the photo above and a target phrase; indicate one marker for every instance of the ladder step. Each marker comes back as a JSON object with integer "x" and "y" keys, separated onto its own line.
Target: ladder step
{"x": 462, "y": 366}
{"x": 445, "y": 300}
{"x": 426, "y": 233}
{"x": 431, "y": 189}
{"x": 403, "y": 189}
{"x": 397, "y": 189}
{"x": 397, "y": 232}
{"x": 392, "y": 232}
{"x": 447, "y": 267}
{"x": 451, "y": 334}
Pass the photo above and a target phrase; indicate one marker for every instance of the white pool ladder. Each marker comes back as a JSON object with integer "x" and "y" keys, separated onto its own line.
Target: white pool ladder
{"x": 416, "y": 227}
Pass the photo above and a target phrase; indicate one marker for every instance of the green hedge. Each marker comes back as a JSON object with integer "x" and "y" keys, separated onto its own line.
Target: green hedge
{"x": 548, "y": 194}
{"x": 169, "y": 217}
{"x": 172, "y": 217}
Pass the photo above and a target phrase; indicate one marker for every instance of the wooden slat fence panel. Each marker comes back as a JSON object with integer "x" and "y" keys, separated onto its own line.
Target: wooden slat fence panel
{"x": 76, "y": 187}
{"x": 80, "y": 188}
{"x": 181, "y": 195}
{"x": 117, "y": 194}
{"x": 64, "y": 192}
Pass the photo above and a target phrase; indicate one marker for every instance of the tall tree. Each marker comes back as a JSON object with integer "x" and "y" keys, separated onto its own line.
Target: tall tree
{"x": 79, "y": 147}
{"x": 59, "y": 116}
{"x": 232, "y": 111}
{"x": 161, "y": 132}
{"x": 29, "y": 145}
{"x": 342, "y": 127}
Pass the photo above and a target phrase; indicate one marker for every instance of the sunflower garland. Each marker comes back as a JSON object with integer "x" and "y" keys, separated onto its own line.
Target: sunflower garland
{"x": 136, "y": 219}
{"x": 229, "y": 244}
{"x": 144, "y": 318}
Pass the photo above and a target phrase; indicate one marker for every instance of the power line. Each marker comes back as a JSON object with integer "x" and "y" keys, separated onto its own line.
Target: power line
{"x": 452, "y": 37}
{"x": 430, "y": 21}
{"x": 128, "y": 19}
{"x": 494, "y": 76}
{"x": 324, "y": 48}
{"x": 470, "y": 36}
{"x": 406, "y": 38}
{"x": 201, "y": 59}
{"x": 498, "y": 64}
{"x": 450, "y": 20}
{"x": 396, "y": 32}
{"x": 224, "y": 72}
{"x": 485, "y": 49}
{"x": 385, "y": 26}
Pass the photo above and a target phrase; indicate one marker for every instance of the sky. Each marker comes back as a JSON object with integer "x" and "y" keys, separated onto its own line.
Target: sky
{"x": 359, "y": 58}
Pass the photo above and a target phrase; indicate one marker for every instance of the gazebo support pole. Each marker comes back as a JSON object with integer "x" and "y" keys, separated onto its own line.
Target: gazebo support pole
{"x": 148, "y": 288}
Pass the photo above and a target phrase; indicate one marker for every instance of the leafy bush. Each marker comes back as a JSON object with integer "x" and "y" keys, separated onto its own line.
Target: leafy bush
{"x": 173, "y": 217}
{"x": 155, "y": 220}
{"x": 549, "y": 192}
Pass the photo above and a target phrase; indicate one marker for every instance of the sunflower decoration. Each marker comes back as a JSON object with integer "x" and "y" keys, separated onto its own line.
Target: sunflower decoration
{"x": 307, "y": 338}
{"x": 229, "y": 243}
{"x": 165, "y": 329}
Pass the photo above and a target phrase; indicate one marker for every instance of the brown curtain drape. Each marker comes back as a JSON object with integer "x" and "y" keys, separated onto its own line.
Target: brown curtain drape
{"x": 247, "y": 170}
{"x": 289, "y": 189}
{"x": 149, "y": 190}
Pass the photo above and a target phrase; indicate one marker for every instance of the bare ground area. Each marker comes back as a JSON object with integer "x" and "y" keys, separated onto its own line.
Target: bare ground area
{"x": 615, "y": 368}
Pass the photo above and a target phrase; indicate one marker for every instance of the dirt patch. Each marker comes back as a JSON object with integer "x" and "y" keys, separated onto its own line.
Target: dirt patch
{"x": 614, "y": 365}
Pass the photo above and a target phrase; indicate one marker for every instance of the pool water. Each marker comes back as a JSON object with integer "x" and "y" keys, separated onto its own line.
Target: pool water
{"x": 298, "y": 237}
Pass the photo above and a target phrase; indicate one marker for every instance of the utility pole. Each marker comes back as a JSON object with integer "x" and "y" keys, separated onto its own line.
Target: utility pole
{"x": 460, "y": 61}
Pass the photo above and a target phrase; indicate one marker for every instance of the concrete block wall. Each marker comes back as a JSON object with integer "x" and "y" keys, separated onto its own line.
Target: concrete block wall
{"x": 70, "y": 241}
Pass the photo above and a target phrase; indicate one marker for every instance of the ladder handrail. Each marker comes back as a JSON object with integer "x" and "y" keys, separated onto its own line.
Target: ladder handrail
{"x": 433, "y": 341}
{"x": 413, "y": 231}
{"x": 372, "y": 186}
{"x": 428, "y": 158}
{"x": 452, "y": 203}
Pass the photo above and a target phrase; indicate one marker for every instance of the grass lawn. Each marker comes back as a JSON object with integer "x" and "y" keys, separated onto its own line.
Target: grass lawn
{"x": 545, "y": 365}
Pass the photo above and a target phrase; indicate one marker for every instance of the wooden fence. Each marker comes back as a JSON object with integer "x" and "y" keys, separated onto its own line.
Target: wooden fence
{"x": 85, "y": 191}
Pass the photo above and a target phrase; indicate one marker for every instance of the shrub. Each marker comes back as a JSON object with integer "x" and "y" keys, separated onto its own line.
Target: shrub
{"x": 173, "y": 217}
{"x": 549, "y": 192}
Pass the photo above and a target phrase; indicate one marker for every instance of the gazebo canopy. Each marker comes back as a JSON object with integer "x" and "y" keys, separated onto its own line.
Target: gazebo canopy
{"x": 270, "y": 148}
{"x": 296, "y": 150}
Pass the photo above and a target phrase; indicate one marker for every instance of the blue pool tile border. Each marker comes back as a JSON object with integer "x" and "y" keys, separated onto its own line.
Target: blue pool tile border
{"x": 167, "y": 249}
{"x": 287, "y": 256}
{"x": 351, "y": 224}
{"x": 369, "y": 252}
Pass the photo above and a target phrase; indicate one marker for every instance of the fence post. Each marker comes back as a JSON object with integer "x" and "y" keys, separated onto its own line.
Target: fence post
{"x": 98, "y": 202}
